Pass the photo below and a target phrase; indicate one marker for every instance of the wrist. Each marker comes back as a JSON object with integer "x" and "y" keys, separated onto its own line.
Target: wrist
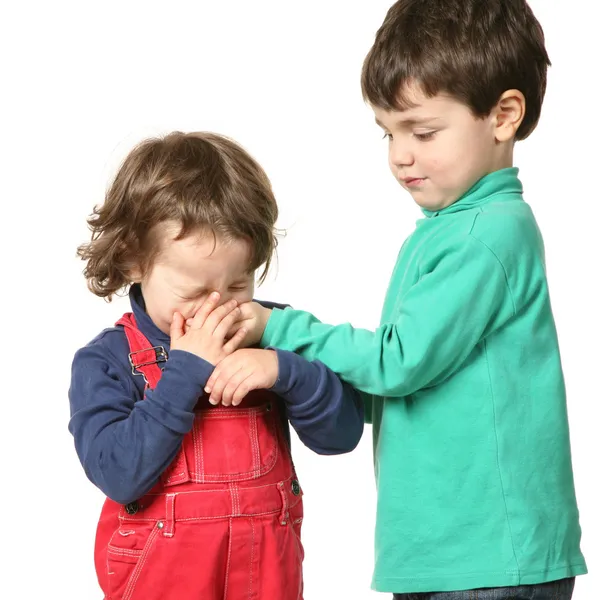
{"x": 263, "y": 319}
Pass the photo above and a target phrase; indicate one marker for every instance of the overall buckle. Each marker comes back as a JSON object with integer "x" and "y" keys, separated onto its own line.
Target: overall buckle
{"x": 160, "y": 356}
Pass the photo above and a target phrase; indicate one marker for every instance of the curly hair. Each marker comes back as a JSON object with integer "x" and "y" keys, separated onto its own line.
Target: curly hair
{"x": 199, "y": 180}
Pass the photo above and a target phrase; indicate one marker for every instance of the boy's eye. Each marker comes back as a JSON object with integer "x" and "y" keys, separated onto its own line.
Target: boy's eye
{"x": 387, "y": 136}
{"x": 237, "y": 288}
{"x": 424, "y": 137}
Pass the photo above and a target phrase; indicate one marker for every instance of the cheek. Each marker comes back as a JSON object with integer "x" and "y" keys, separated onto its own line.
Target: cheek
{"x": 437, "y": 168}
{"x": 188, "y": 308}
{"x": 244, "y": 296}
{"x": 444, "y": 163}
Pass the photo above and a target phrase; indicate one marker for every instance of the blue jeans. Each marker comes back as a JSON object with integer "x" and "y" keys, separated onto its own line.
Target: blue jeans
{"x": 554, "y": 590}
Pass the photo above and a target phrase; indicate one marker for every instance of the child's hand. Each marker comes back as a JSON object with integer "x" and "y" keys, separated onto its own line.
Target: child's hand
{"x": 207, "y": 332}
{"x": 238, "y": 374}
{"x": 253, "y": 318}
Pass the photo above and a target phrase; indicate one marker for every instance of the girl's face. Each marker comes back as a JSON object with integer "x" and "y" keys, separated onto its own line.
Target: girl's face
{"x": 186, "y": 271}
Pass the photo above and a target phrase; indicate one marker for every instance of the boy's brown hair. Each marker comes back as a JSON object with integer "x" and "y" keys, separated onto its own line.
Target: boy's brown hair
{"x": 473, "y": 50}
{"x": 199, "y": 180}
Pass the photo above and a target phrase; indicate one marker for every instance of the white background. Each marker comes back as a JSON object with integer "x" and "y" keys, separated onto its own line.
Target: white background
{"x": 81, "y": 82}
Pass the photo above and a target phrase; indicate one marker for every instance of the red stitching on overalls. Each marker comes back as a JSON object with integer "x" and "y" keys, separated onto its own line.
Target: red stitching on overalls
{"x": 170, "y": 512}
{"x": 228, "y": 558}
{"x": 255, "y": 447}
{"x": 251, "y": 560}
{"x": 140, "y": 565}
{"x": 284, "y": 516}
{"x": 198, "y": 472}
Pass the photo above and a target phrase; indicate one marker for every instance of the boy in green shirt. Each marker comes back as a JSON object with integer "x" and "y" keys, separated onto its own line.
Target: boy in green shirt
{"x": 462, "y": 381}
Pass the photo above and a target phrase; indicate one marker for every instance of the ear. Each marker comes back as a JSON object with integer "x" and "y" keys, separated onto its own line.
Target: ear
{"x": 508, "y": 114}
{"x": 135, "y": 274}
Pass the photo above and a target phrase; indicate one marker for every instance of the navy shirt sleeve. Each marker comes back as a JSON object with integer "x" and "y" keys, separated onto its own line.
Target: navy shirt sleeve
{"x": 327, "y": 414}
{"x": 122, "y": 444}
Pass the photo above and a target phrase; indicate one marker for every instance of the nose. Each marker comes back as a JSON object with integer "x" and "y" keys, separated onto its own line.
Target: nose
{"x": 400, "y": 154}
{"x": 224, "y": 296}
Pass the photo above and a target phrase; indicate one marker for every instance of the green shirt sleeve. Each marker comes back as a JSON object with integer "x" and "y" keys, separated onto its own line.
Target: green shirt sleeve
{"x": 368, "y": 404}
{"x": 460, "y": 298}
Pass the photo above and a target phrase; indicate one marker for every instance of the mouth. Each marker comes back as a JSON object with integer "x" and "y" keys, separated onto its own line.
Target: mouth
{"x": 412, "y": 181}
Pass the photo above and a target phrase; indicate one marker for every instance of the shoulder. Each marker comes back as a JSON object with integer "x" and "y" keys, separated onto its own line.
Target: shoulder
{"x": 506, "y": 227}
{"x": 107, "y": 351}
{"x": 510, "y": 232}
{"x": 506, "y": 230}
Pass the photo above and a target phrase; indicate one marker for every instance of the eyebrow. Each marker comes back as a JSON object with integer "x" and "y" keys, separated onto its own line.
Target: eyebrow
{"x": 410, "y": 122}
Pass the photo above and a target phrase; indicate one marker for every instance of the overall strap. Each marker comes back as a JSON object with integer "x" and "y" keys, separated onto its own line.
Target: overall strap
{"x": 143, "y": 357}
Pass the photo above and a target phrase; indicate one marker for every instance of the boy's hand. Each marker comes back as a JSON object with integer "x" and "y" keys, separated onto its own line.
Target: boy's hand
{"x": 253, "y": 318}
{"x": 238, "y": 374}
{"x": 206, "y": 336}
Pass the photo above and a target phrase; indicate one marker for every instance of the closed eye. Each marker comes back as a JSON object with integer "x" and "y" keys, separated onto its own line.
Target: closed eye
{"x": 425, "y": 137}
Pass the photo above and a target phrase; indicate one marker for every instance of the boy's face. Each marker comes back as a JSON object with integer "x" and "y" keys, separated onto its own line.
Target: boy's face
{"x": 187, "y": 270}
{"x": 438, "y": 149}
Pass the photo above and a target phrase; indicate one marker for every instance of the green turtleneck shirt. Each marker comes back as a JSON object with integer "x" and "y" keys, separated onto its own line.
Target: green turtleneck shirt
{"x": 464, "y": 387}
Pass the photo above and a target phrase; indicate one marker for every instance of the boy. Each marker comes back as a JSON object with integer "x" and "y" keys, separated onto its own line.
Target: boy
{"x": 463, "y": 378}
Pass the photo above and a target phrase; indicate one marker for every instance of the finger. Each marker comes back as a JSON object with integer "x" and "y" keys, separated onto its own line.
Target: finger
{"x": 232, "y": 385}
{"x": 176, "y": 329}
{"x": 247, "y": 309}
{"x": 214, "y": 376}
{"x": 239, "y": 324}
{"x": 188, "y": 325}
{"x": 225, "y": 324}
{"x": 216, "y": 391}
{"x": 244, "y": 388}
{"x": 235, "y": 342}
{"x": 229, "y": 311}
{"x": 206, "y": 309}
{"x": 224, "y": 368}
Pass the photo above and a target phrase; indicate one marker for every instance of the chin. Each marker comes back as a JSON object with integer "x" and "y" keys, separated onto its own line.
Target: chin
{"x": 427, "y": 205}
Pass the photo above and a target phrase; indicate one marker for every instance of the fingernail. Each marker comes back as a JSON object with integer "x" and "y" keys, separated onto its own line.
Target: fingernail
{"x": 207, "y": 390}
{"x": 214, "y": 295}
{"x": 212, "y": 400}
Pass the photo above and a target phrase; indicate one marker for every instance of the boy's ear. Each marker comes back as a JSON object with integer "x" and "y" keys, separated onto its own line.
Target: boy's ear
{"x": 508, "y": 114}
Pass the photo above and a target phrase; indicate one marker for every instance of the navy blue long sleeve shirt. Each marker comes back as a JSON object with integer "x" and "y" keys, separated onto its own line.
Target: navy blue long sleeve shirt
{"x": 124, "y": 444}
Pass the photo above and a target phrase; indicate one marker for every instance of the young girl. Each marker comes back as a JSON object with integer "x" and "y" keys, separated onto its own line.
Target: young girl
{"x": 202, "y": 501}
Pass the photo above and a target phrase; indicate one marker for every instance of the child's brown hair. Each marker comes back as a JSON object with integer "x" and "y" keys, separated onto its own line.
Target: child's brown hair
{"x": 473, "y": 50}
{"x": 198, "y": 180}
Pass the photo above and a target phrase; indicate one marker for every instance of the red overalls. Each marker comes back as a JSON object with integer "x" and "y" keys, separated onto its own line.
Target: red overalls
{"x": 223, "y": 522}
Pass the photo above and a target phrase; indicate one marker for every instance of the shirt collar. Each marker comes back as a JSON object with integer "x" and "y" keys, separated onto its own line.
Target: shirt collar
{"x": 499, "y": 185}
{"x": 144, "y": 322}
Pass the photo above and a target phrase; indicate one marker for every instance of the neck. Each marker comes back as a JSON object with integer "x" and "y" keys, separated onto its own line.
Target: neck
{"x": 503, "y": 158}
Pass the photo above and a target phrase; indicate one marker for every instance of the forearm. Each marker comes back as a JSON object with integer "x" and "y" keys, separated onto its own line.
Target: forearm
{"x": 125, "y": 445}
{"x": 373, "y": 362}
{"x": 326, "y": 413}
